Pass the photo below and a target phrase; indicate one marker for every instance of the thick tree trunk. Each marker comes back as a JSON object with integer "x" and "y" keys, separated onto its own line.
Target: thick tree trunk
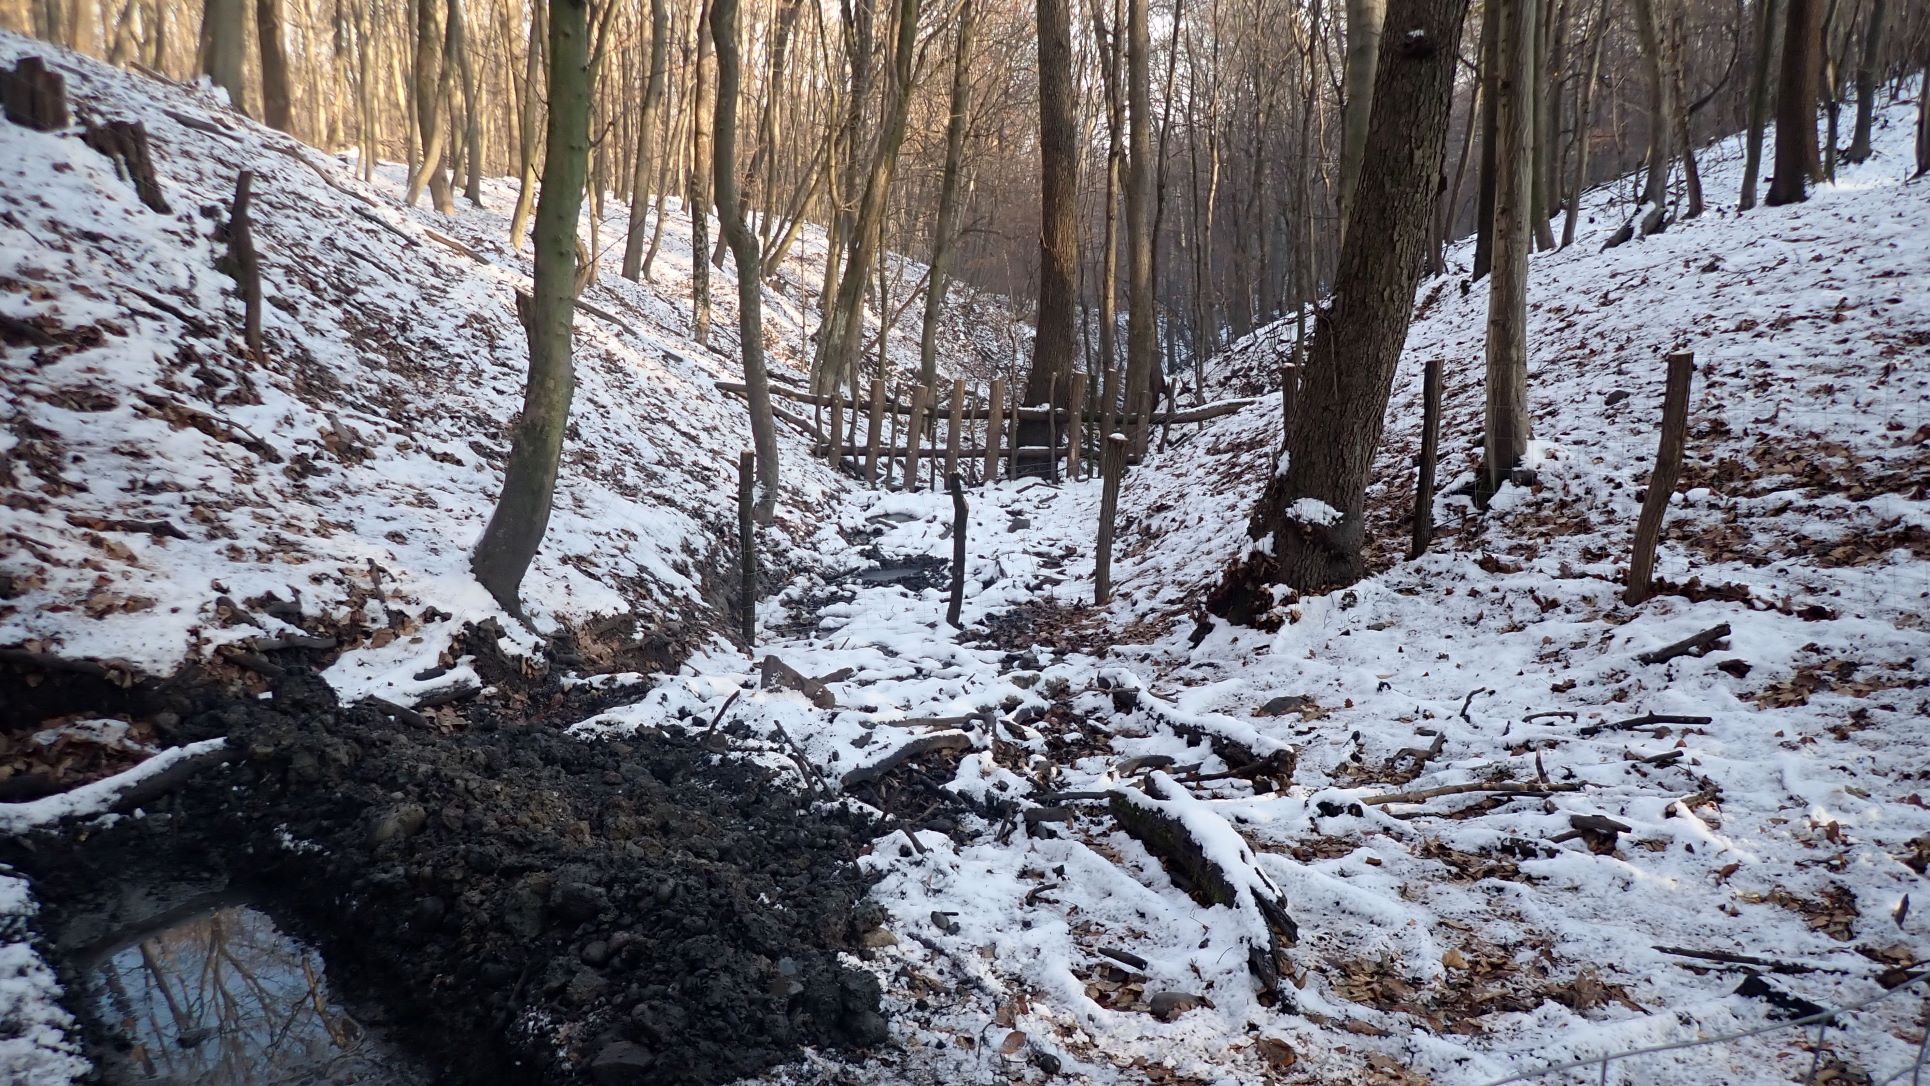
{"x": 743, "y": 248}
{"x": 1364, "y": 21}
{"x": 1796, "y": 90}
{"x": 1649, "y": 218}
{"x": 430, "y": 88}
{"x": 1313, "y": 509}
{"x": 646, "y": 132}
{"x": 275, "y": 99}
{"x": 1507, "y": 369}
{"x": 1055, "y": 346}
{"x": 1768, "y": 30}
{"x": 1542, "y": 106}
{"x": 223, "y": 49}
{"x": 515, "y": 530}
{"x": 1867, "y": 61}
{"x": 1142, "y": 345}
{"x": 946, "y": 221}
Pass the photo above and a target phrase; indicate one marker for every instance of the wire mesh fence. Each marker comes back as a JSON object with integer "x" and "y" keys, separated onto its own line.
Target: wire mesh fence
{"x": 1626, "y": 1062}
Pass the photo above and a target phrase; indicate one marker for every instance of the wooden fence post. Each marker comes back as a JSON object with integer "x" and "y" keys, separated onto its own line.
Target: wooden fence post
{"x": 1012, "y": 432}
{"x": 747, "y": 546}
{"x": 1668, "y": 467}
{"x": 957, "y": 422}
{"x": 960, "y": 511}
{"x": 1075, "y": 430}
{"x": 1289, "y": 394}
{"x": 1112, "y": 463}
{"x": 918, "y": 395}
{"x": 1108, "y": 412}
{"x": 1052, "y": 431}
{"x": 836, "y": 456}
{"x": 891, "y": 444}
{"x": 1430, "y": 452}
{"x": 994, "y": 422}
{"x": 875, "y": 429}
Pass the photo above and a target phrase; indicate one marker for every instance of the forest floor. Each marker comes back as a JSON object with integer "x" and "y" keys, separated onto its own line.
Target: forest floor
{"x": 1511, "y": 912}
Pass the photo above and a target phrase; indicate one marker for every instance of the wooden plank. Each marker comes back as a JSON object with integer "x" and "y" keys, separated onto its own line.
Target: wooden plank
{"x": 919, "y": 395}
{"x": 1075, "y": 430}
{"x": 957, "y": 423}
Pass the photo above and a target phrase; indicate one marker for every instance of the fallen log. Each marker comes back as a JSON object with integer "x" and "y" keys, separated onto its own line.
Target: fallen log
{"x": 776, "y": 673}
{"x": 122, "y": 792}
{"x": 1644, "y": 721}
{"x": 1209, "y": 860}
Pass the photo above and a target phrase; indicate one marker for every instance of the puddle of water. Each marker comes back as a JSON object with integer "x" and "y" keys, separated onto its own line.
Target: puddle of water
{"x": 225, "y": 998}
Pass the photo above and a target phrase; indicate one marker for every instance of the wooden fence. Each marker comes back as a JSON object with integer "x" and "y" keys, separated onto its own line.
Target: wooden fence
{"x": 916, "y": 437}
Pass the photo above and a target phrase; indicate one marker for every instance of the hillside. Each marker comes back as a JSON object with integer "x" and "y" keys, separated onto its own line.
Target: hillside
{"x": 1491, "y": 857}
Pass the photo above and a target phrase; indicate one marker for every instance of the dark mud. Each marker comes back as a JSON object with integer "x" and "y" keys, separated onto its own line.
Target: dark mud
{"x": 526, "y": 907}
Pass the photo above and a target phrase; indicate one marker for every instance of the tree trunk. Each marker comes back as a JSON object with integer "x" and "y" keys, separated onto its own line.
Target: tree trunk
{"x": 532, "y": 109}
{"x": 1685, "y": 132}
{"x": 515, "y": 530}
{"x": 1142, "y": 346}
{"x": 1872, "y": 55}
{"x": 646, "y": 132}
{"x": 1055, "y": 346}
{"x": 1655, "y": 189}
{"x": 1584, "y": 114}
{"x": 1768, "y": 29}
{"x": 1796, "y": 90}
{"x": 223, "y": 52}
{"x": 846, "y": 318}
{"x": 946, "y": 221}
{"x": 472, "y": 123}
{"x": 1484, "y": 196}
{"x": 1541, "y": 104}
{"x": 1507, "y": 369}
{"x": 703, "y": 103}
{"x": 1314, "y": 509}
{"x": 430, "y": 88}
{"x": 1364, "y": 21}
{"x": 275, "y": 109}
{"x": 743, "y": 248}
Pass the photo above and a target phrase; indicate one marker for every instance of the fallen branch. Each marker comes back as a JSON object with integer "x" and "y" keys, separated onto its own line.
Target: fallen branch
{"x": 1510, "y": 788}
{"x": 1643, "y": 721}
{"x": 1698, "y": 644}
{"x": 598, "y": 311}
{"x": 137, "y": 527}
{"x": 910, "y": 752}
{"x": 122, "y": 792}
{"x": 776, "y": 673}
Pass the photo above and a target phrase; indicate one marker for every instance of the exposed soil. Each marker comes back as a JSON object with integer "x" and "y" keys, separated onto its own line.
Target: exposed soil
{"x": 528, "y": 906}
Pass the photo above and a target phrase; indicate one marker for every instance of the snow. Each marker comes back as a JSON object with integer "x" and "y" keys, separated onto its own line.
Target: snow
{"x": 94, "y": 798}
{"x": 1449, "y": 941}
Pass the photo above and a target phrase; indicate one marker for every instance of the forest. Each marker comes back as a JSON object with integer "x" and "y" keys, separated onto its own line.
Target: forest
{"x": 931, "y": 541}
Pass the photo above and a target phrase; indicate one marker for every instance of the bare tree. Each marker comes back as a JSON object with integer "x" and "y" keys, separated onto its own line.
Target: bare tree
{"x": 224, "y": 50}
{"x": 945, "y": 221}
{"x": 515, "y": 531}
{"x": 1142, "y": 346}
{"x": 1768, "y": 30}
{"x": 1054, "y": 345}
{"x": 1866, "y": 71}
{"x": 1796, "y": 92}
{"x": 1507, "y": 370}
{"x": 275, "y": 94}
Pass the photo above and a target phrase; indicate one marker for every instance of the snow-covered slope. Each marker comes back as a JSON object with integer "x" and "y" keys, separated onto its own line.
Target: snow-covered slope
{"x": 1466, "y": 935}
{"x": 352, "y": 467}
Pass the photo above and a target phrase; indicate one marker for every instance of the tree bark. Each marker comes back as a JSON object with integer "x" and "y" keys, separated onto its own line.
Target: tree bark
{"x": 1314, "y": 509}
{"x": 744, "y": 251}
{"x": 1507, "y": 355}
{"x": 430, "y": 89}
{"x": 532, "y": 109}
{"x": 1055, "y": 345}
{"x": 472, "y": 121}
{"x": 1484, "y": 194}
{"x": 1584, "y": 115}
{"x": 945, "y": 223}
{"x": 646, "y": 132}
{"x": 1867, "y": 61}
{"x": 1768, "y": 30}
{"x": 703, "y": 104}
{"x": 1796, "y": 90}
{"x": 515, "y": 530}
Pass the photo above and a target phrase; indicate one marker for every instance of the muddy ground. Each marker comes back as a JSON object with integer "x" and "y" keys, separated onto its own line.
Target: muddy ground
{"x": 525, "y": 906}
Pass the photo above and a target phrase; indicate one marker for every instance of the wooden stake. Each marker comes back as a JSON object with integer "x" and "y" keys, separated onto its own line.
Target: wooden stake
{"x": 1075, "y": 429}
{"x": 959, "y": 514}
{"x": 957, "y": 421}
{"x": 875, "y": 431}
{"x": 891, "y": 459}
{"x": 834, "y": 453}
{"x": 1012, "y": 432}
{"x": 1111, "y": 465}
{"x": 919, "y": 394}
{"x": 747, "y": 547}
{"x": 242, "y": 265}
{"x": 1430, "y": 448}
{"x": 1668, "y": 467}
{"x": 994, "y": 425}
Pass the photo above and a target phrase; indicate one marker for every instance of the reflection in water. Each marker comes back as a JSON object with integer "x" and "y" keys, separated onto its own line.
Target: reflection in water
{"x": 226, "y": 999}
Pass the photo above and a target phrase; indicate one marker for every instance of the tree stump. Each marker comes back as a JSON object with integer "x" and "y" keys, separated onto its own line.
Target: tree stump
{"x": 125, "y": 142}
{"x": 33, "y": 96}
